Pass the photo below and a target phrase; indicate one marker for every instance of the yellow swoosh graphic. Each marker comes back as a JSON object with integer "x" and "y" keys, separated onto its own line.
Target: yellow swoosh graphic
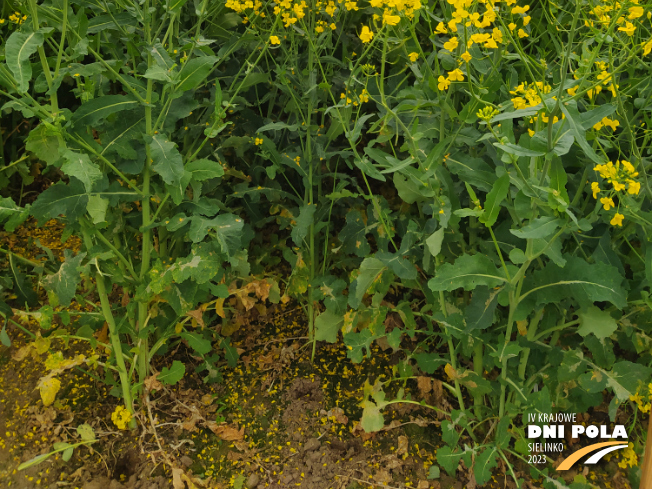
{"x": 574, "y": 457}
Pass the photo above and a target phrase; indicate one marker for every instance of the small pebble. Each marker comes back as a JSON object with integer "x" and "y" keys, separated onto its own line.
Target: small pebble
{"x": 252, "y": 481}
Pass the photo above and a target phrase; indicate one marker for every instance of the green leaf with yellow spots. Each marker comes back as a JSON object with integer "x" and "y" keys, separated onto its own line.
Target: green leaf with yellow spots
{"x": 48, "y": 388}
{"x": 64, "y": 283}
{"x": 371, "y": 270}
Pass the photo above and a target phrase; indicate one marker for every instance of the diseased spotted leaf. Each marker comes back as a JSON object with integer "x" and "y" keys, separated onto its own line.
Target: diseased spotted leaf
{"x": 64, "y": 283}
{"x": 371, "y": 269}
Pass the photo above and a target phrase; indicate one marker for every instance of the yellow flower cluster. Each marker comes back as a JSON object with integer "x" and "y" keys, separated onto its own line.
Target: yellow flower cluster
{"x": 606, "y": 122}
{"x": 246, "y": 5}
{"x": 527, "y": 95}
{"x": 393, "y": 9}
{"x": 604, "y": 77}
{"x": 16, "y": 18}
{"x": 629, "y": 457}
{"x": 455, "y": 75}
{"x": 121, "y": 417}
{"x": 602, "y": 14}
{"x": 357, "y": 99}
{"x": 621, "y": 176}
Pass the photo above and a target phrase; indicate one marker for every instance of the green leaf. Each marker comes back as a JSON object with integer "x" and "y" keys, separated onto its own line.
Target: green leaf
{"x": 43, "y": 141}
{"x": 167, "y": 160}
{"x": 204, "y": 169}
{"x": 353, "y": 235}
{"x": 468, "y": 271}
{"x": 368, "y": 168}
{"x": 399, "y": 264}
{"x": 448, "y": 459}
{"x": 19, "y": 47}
{"x": 595, "y": 320}
{"x": 434, "y": 242}
{"x": 515, "y": 149}
{"x": 197, "y": 342}
{"x": 97, "y": 207}
{"x": 80, "y": 166}
{"x": 474, "y": 171}
{"x": 11, "y": 213}
{"x": 541, "y": 227}
{"x": 479, "y": 314}
{"x": 327, "y": 325}
{"x": 494, "y": 198}
{"x": 86, "y": 432}
{"x": 558, "y": 180}
{"x": 586, "y": 283}
{"x": 592, "y": 117}
{"x": 64, "y": 283}
{"x": 230, "y": 353}
{"x": 35, "y": 461}
{"x": 305, "y": 219}
{"x": 484, "y": 464}
{"x": 174, "y": 374}
{"x": 4, "y": 337}
{"x": 433, "y": 472}
{"x": 194, "y": 72}
{"x": 516, "y": 114}
{"x": 429, "y": 362}
{"x": 97, "y": 109}
{"x": 574, "y": 119}
{"x": 174, "y": 6}
{"x": 356, "y": 342}
{"x": 370, "y": 270}
{"x": 70, "y": 200}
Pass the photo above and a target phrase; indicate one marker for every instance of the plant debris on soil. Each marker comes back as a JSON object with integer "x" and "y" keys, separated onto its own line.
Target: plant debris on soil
{"x": 276, "y": 420}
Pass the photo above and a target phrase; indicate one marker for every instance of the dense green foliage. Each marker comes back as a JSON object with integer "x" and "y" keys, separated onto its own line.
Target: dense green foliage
{"x": 468, "y": 174}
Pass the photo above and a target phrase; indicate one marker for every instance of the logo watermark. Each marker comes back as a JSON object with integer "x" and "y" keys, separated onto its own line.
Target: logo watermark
{"x": 553, "y": 429}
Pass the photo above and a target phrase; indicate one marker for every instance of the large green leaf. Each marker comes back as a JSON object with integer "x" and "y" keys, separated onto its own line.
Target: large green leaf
{"x": 494, "y": 199}
{"x": 12, "y": 214}
{"x": 579, "y": 280}
{"x": 194, "y": 72}
{"x": 174, "y": 374}
{"x": 204, "y": 169}
{"x": 97, "y": 109}
{"x": 167, "y": 160}
{"x": 18, "y": 49}
{"x": 468, "y": 272}
{"x": 573, "y": 118}
{"x": 44, "y": 142}
{"x": 371, "y": 269}
{"x": 69, "y": 200}
{"x": 327, "y": 325}
{"x": 448, "y": 459}
{"x": 484, "y": 464}
{"x": 64, "y": 282}
{"x": 80, "y": 166}
{"x": 305, "y": 219}
{"x": 541, "y": 227}
{"x": 595, "y": 320}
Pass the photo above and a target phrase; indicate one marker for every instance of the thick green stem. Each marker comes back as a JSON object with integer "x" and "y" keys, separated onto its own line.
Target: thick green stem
{"x": 117, "y": 346}
{"x": 478, "y": 367}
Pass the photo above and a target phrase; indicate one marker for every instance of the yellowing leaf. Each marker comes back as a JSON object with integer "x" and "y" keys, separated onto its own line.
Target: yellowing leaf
{"x": 48, "y": 387}
{"x": 219, "y": 307}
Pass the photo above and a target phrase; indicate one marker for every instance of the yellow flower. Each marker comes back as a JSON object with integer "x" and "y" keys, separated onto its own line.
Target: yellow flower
{"x": 520, "y": 10}
{"x": 444, "y": 83}
{"x": 617, "y": 220}
{"x": 413, "y": 56}
{"x": 618, "y": 186}
{"x": 511, "y": 26}
{"x": 390, "y": 19}
{"x": 522, "y": 33}
{"x": 629, "y": 29}
{"x": 629, "y": 168}
{"x": 451, "y": 44}
{"x": 121, "y": 417}
{"x": 607, "y": 203}
{"x": 274, "y": 40}
{"x": 633, "y": 187}
{"x": 530, "y": 132}
{"x": 635, "y": 12}
{"x": 366, "y": 35}
{"x": 466, "y": 56}
{"x": 333, "y": 26}
{"x": 595, "y": 187}
{"x": 526, "y": 20}
{"x": 258, "y": 141}
{"x": 497, "y": 35}
{"x": 456, "y": 75}
{"x": 647, "y": 47}
{"x": 441, "y": 28}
